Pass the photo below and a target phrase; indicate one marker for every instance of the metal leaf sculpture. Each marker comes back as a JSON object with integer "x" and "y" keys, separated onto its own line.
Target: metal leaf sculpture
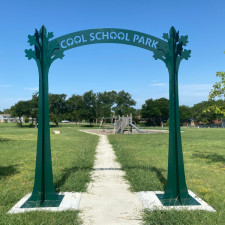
{"x": 174, "y": 45}
{"x": 43, "y": 191}
{"x": 41, "y": 43}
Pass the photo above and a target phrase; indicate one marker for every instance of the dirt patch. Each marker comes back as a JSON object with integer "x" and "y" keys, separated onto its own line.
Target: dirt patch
{"x": 111, "y": 131}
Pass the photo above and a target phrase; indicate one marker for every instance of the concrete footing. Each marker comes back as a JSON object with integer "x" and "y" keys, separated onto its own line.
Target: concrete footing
{"x": 71, "y": 201}
{"x": 151, "y": 201}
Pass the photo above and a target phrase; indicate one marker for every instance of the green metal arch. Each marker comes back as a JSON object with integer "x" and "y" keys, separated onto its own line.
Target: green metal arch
{"x": 108, "y": 35}
{"x": 171, "y": 52}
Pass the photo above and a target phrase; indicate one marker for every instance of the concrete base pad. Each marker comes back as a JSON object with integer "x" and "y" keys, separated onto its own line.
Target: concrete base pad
{"x": 71, "y": 201}
{"x": 151, "y": 201}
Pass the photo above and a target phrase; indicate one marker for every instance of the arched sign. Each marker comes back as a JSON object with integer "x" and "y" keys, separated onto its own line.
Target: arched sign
{"x": 169, "y": 50}
{"x": 108, "y": 35}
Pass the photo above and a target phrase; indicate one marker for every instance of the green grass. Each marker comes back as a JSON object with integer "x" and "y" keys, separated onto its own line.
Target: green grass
{"x": 144, "y": 158}
{"x": 72, "y": 160}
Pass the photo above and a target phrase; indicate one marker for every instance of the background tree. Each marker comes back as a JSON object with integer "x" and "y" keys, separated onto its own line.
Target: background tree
{"x": 74, "y": 106}
{"x": 105, "y": 103}
{"x": 28, "y": 112}
{"x": 218, "y": 92}
{"x": 57, "y": 107}
{"x": 20, "y": 109}
{"x": 155, "y": 111}
{"x": 124, "y": 103}
{"x": 137, "y": 116}
{"x": 34, "y": 108}
{"x": 204, "y": 113}
{"x": 185, "y": 114}
{"x": 7, "y": 111}
{"x": 89, "y": 107}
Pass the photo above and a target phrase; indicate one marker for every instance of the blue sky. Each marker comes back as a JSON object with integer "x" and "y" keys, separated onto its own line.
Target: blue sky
{"x": 104, "y": 67}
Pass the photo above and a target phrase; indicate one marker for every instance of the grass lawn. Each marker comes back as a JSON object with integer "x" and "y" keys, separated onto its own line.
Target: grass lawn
{"x": 72, "y": 159}
{"x": 144, "y": 158}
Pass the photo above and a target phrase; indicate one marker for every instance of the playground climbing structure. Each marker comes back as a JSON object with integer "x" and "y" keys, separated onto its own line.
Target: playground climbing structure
{"x": 125, "y": 123}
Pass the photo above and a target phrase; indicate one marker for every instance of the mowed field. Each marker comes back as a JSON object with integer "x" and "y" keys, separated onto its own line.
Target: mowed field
{"x": 72, "y": 158}
{"x": 144, "y": 158}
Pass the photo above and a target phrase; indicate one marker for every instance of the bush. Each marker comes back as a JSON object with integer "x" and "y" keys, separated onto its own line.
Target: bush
{"x": 19, "y": 124}
{"x": 168, "y": 123}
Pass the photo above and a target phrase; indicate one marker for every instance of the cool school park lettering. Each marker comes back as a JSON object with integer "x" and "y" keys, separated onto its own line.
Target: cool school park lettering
{"x": 108, "y": 36}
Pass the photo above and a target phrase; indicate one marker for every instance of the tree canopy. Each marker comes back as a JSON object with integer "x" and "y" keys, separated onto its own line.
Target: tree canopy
{"x": 124, "y": 104}
{"x": 204, "y": 112}
{"x": 218, "y": 90}
{"x": 155, "y": 111}
{"x": 185, "y": 113}
{"x": 20, "y": 109}
{"x": 90, "y": 106}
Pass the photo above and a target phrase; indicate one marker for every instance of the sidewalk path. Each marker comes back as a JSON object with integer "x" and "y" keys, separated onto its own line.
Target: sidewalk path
{"x": 108, "y": 200}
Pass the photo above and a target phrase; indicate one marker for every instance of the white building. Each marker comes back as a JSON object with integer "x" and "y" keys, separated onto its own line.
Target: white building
{"x": 4, "y": 118}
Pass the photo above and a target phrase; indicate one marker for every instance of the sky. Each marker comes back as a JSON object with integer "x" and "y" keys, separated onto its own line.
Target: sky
{"x": 106, "y": 67}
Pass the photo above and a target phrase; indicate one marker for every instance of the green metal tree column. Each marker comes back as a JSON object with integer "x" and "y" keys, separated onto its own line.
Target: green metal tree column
{"x": 176, "y": 185}
{"x": 43, "y": 191}
{"x": 176, "y": 192}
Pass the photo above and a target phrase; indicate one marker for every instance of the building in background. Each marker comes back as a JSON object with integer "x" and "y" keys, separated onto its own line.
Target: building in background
{"x": 6, "y": 118}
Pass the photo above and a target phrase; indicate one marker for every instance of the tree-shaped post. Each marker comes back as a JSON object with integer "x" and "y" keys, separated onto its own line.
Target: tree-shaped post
{"x": 171, "y": 54}
{"x": 44, "y": 53}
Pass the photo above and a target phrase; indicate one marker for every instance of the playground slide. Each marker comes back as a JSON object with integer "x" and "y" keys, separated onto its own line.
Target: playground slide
{"x": 119, "y": 131}
{"x": 132, "y": 125}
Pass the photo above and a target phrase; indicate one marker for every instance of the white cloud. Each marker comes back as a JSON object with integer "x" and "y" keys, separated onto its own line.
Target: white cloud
{"x": 191, "y": 90}
{"x": 158, "y": 85}
{"x": 189, "y": 94}
{"x": 8, "y": 102}
{"x": 31, "y": 89}
{"x": 195, "y": 90}
{"x": 5, "y": 85}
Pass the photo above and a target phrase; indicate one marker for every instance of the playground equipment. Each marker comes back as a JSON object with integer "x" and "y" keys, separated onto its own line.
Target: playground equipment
{"x": 119, "y": 126}
{"x": 103, "y": 120}
{"x": 125, "y": 123}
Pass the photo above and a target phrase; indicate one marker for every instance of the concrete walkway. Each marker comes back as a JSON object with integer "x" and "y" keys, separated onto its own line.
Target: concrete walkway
{"x": 108, "y": 200}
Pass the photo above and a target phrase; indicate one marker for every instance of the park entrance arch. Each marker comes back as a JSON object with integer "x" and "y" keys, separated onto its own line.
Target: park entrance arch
{"x": 46, "y": 51}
